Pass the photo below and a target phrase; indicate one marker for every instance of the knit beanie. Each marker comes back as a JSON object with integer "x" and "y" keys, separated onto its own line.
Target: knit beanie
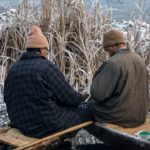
{"x": 112, "y": 37}
{"x": 36, "y": 38}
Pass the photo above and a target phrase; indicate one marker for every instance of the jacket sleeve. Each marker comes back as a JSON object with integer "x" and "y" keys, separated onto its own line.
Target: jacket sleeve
{"x": 105, "y": 82}
{"x": 61, "y": 88}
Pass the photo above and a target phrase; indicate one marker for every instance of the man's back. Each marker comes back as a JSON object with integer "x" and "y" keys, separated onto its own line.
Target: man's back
{"x": 38, "y": 98}
{"x": 32, "y": 104}
{"x": 122, "y": 90}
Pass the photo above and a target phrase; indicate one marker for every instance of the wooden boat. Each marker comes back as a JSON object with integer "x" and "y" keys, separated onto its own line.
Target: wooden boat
{"x": 116, "y": 136}
{"x": 120, "y": 137}
{"x": 18, "y": 141}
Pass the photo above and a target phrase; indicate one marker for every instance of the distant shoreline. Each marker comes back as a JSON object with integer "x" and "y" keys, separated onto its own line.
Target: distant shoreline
{"x": 122, "y": 9}
{"x": 5, "y": 4}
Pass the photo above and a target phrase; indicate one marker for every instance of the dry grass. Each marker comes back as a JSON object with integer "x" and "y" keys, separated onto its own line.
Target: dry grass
{"x": 74, "y": 35}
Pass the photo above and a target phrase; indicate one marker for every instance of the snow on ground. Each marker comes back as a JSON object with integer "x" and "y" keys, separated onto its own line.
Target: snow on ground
{"x": 7, "y": 17}
{"x": 4, "y": 121}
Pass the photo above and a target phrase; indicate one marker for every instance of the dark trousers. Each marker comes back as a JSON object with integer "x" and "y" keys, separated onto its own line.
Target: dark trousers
{"x": 84, "y": 115}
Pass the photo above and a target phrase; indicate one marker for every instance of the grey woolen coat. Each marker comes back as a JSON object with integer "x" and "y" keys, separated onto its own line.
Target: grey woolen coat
{"x": 119, "y": 90}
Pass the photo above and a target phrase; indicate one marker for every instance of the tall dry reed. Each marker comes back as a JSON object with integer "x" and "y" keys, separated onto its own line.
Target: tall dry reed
{"x": 74, "y": 35}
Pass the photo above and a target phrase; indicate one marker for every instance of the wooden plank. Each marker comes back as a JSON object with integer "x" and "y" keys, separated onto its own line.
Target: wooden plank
{"x": 55, "y": 135}
{"x": 15, "y": 138}
{"x": 120, "y": 137}
{"x": 131, "y": 131}
{"x": 11, "y": 141}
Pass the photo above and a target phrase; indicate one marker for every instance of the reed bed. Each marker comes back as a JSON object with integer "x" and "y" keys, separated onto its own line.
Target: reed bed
{"x": 74, "y": 35}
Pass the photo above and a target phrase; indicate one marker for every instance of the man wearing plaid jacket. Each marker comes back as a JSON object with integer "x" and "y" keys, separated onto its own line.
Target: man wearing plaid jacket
{"x": 39, "y": 100}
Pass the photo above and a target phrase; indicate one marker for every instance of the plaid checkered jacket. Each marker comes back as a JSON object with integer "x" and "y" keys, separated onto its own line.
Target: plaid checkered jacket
{"x": 39, "y": 100}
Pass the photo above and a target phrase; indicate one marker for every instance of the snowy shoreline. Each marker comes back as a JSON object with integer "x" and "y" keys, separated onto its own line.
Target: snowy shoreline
{"x": 4, "y": 120}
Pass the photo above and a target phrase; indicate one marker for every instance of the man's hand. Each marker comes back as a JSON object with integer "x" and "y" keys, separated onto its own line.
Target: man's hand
{"x": 84, "y": 95}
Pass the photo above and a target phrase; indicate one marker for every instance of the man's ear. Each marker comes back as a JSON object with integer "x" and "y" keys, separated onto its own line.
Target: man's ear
{"x": 41, "y": 50}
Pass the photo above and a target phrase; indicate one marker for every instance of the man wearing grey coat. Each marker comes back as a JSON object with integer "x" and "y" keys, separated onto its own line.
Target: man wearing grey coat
{"x": 119, "y": 90}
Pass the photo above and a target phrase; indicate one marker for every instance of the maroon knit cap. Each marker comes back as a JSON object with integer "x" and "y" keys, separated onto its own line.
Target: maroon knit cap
{"x": 112, "y": 37}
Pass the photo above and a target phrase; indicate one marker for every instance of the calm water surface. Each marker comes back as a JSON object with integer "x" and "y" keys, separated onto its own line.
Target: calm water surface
{"x": 123, "y": 9}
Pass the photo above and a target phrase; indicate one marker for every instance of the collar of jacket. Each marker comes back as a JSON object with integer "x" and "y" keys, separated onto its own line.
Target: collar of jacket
{"x": 31, "y": 55}
{"x": 121, "y": 50}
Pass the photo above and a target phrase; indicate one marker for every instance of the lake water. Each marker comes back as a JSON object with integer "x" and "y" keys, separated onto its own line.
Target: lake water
{"x": 124, "y": 9}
